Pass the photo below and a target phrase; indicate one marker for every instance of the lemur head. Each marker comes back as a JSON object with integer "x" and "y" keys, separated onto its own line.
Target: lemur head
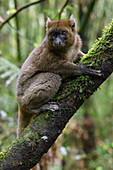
{"x": 61, "y": 33}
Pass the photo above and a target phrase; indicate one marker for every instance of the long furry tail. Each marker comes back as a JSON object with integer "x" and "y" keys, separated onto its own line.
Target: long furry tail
{"x": 24, "y": 118}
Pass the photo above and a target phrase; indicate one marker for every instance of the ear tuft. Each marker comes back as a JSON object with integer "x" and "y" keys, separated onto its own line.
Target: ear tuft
{"x": 73, "y": 22}
{"x": 48, "y": 21}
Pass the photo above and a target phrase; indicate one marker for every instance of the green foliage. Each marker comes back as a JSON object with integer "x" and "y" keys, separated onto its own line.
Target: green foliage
{"x": 102, "y": 15}
{"x": 47, "y": 11}
{"x": 104, "y": 158}
{"x": 8, "y": 71}
{"x": 11, "y": 11}
{"x": 69, "y": 7}
{"x": 8, "y": 75}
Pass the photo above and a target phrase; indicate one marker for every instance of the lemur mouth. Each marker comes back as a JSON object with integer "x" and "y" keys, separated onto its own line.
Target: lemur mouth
{"x": 59, "y": 45}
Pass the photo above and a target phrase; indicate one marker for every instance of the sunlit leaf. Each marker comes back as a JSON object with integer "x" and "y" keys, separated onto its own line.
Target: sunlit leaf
{"x": 11, "y": 11}
{"x": 69, "y": 7}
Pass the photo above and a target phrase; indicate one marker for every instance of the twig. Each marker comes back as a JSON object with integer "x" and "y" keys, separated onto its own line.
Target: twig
{"x": 17, "y": 36}
{"x": 18, "y": 10}
{"x": 60, "y": 13}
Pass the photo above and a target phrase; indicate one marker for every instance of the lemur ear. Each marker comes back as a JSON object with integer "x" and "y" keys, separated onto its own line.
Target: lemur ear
{"x": 73, "y": 23}
{"x": 48, "y": 21}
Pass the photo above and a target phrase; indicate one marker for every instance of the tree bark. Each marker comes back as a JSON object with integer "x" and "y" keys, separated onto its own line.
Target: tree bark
{"x": 40, "y": 135}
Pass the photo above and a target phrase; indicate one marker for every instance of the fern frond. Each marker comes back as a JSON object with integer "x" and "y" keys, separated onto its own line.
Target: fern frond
{"x": 8, "y": 71}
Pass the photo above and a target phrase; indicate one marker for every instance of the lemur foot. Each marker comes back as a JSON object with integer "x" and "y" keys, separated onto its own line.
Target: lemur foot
{"x": 49, "y": 106}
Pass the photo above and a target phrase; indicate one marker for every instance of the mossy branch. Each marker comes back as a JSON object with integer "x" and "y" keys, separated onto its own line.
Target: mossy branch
{"x": 40, "y": 135}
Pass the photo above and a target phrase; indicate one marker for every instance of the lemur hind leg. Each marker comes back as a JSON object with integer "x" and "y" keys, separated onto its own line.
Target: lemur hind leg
{"x": 40, "y": 92}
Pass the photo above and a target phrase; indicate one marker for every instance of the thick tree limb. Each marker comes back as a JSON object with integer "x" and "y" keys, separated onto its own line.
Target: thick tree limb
{"x": 39, "y": 136}
{"x": 18, "y": 10}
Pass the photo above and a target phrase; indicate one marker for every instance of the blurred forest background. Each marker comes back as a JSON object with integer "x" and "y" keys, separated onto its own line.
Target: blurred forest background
{"x": 87, "y": 141}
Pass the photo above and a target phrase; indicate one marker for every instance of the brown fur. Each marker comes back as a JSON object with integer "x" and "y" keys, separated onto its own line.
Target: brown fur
{"x": 40, "y": 75}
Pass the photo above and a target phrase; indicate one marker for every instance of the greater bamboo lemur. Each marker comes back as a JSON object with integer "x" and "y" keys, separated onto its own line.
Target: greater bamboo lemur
{"x": 40, "y": 75}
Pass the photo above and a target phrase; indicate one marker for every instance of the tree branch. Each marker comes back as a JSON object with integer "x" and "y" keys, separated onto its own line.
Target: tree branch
{"x": 18, "y": 10}
{"x": 66, "y": 3}
{"x": 40, "y": 135}
{"x": 86, "y": 16}
{"x": 17, "y": 35}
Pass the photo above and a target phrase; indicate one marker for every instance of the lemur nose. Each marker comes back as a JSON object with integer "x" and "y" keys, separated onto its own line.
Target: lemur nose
{"x": 59, "y": 43}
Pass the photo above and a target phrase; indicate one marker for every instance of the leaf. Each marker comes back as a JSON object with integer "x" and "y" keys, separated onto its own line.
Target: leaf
{"x": 35, "y": 44}
{"x": 56, "y": 11}
{"x": 49, "y": 12}
{"x": 10, "y": 113}
{"x": 99, "y": 168}
{"x": 6, "y": 74}
{"x": 69, "y": 7}
{"x": 11, "y": 11}
{"x": 8, "y": 82}
{"x": 6, "y": 63}
{"x": 9, "y": 70}
{"x": 57, "y": 17}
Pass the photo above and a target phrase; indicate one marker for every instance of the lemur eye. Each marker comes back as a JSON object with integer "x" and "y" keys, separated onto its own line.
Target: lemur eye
{"x": 52, "y": 34}
{"x": 64, "y": 33}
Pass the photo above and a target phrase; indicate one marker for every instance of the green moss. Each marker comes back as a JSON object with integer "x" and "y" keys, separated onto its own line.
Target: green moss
{"x": 38, "y": 140}
{"x": 20, "y": 163}
{"x": 77, "y": 84}
{"x": 4, "y": 154}
{"x": 40, "y": 131}
{"x": 94, "y": 56}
